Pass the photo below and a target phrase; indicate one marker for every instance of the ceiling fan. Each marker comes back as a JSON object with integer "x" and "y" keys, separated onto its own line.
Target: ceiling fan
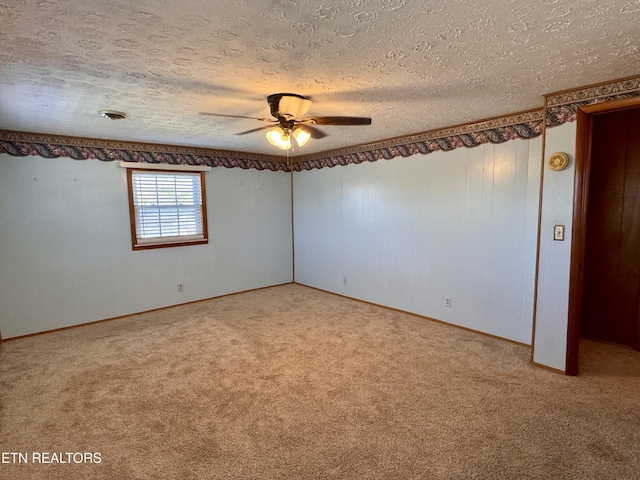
{"x": 287, "y": 110}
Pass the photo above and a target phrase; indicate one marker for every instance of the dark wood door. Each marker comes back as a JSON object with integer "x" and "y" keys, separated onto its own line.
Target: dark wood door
{"x": 611, "y": 288}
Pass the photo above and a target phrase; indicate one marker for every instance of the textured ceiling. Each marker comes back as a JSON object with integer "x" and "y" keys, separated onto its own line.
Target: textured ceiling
{"x": 411, "y": 65}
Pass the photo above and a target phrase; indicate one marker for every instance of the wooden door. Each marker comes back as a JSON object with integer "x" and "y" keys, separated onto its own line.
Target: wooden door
{"x": 611, "y": 284}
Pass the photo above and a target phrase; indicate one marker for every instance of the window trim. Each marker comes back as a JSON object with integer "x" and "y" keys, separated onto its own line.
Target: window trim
{"x": 178, "y": 241}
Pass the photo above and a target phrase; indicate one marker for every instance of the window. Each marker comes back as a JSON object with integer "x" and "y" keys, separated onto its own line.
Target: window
{"x": 167, "y": 208}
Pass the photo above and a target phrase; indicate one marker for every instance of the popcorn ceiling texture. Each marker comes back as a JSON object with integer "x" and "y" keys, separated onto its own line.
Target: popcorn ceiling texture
{"x": 411, "y": 65}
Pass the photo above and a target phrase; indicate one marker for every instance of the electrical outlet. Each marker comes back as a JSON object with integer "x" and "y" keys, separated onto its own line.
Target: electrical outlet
{"x": 181, "y": 287}
{"x": 344, "y": 281}
{"x": 447, "y": 302}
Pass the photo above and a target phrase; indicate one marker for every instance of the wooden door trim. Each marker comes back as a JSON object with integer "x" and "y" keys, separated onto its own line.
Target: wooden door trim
{"x": 582, "y": 170}
{"x": 578, "y": 233}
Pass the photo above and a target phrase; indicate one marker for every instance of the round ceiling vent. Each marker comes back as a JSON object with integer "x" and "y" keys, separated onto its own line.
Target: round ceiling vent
{"x": 113, "y": 115}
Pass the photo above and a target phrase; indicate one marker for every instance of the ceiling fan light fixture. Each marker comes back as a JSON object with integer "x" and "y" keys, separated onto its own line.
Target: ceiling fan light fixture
{"x": 280, "y": 138}
{"x": 287, "y": 110}
{"x": 301, "y": 136}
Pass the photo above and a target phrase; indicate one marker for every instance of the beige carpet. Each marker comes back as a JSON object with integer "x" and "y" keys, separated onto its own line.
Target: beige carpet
{"x": 292, "y": 383}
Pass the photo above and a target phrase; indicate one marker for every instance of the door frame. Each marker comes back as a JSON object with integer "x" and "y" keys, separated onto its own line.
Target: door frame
{"x": 582, "y": 170}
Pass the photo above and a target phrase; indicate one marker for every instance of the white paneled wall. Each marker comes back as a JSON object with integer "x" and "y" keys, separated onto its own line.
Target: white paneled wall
{"x": 555, "y": 257}
{"x": 409, "y": 232}
{"x": 65, "y": 246}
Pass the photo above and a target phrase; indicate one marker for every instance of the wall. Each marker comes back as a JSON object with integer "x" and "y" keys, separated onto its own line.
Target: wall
{"x": 408, "y": 232}
{"x": 65, "y": 246}
{"x": 550, "y": 342}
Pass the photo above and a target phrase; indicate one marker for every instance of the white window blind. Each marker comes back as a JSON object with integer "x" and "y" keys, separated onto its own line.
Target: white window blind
{"x": 167, "y": 207}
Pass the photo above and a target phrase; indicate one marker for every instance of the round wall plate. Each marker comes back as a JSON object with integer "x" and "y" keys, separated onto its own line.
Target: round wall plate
{"x": 558, "y": 161}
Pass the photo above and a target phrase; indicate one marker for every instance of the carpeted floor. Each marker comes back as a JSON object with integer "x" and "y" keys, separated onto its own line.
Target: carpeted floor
{"x": 292, "y": 383}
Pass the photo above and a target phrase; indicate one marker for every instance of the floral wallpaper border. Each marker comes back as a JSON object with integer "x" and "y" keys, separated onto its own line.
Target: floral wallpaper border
{"x": 563, "y": 107}
{"x": 524, "y": 125}
{"x": 497, "y": 130}
{"x": 560, "y": 108}
{"x": 19, "y": 144}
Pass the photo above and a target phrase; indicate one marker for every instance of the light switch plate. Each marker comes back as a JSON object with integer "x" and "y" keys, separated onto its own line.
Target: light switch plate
{"x": 558, "y": 233}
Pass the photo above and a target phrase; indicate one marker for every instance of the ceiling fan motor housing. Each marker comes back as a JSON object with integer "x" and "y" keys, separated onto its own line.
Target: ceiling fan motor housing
{"x": 288, "y": 105}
